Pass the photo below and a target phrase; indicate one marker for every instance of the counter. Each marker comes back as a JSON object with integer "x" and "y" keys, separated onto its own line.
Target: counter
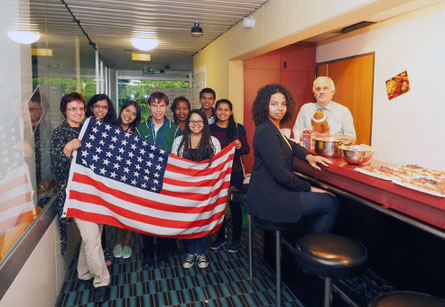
{"x": 420, "y": 206}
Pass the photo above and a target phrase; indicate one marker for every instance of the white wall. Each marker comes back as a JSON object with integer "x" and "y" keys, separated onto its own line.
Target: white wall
{"x": 41, "y": 278}
{"x": 411, "y": 127}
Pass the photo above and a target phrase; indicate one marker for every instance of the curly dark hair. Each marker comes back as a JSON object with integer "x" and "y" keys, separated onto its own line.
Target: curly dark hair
{"x": 138, "y": 114}
{"x": 206, "y": 149}
{"x": 110, "y": 118}
{"x": 175, "y": 103}
{"x": 260, "y": 108}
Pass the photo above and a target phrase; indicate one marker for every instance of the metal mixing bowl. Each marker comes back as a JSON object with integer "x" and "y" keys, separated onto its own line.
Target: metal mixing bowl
{"x": 357, "y": 154}
{"x": 328, "y": 146}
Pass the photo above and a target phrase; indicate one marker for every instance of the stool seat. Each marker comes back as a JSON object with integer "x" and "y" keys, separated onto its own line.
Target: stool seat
{"x": 407, "y": 298}
{"x": 274, "y": 226}
{"x": 330, "y": 255}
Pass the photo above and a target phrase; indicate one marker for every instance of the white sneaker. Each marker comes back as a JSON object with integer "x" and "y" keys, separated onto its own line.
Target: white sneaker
{"x": 117, "y": 251}
{"x": 126, "y": 252}
{"x": 202, "y": 261}
{"x": 189, "y": 261}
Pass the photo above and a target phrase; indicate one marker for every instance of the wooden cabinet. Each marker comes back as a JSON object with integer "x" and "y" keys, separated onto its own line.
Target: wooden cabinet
{"x": 292, "y": 66}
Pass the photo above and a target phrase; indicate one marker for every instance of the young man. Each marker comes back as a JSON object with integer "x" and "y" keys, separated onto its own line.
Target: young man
{"x": 339, "y": 117}
{"x": 207, "y": 98}
{"x": 157, "y": 129}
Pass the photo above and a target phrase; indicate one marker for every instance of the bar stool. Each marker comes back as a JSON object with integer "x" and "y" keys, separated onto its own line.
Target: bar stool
{"x": 330, "y": 256}
{"x": 277, "y": 228}
{"x": 241, "y": 197}
{"x": 406, "y": 298}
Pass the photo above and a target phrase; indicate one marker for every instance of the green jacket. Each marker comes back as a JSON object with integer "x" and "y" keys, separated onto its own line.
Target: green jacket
{"x": 170, "y": 133}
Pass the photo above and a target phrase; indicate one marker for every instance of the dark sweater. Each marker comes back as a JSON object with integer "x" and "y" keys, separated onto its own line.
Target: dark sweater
{"x": 222, "y": 134}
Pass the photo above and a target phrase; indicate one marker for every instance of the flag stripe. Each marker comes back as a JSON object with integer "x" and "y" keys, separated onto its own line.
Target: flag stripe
{"x": 17, "y": 201}
{"x": 202, "y": 183}
{"x": 190, "y": 172}
{"x": 12, "y": 183}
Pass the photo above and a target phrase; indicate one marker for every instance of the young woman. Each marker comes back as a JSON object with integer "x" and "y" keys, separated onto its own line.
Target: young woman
{"x": 181, "y": 109}
{"x": 196, "y": 144}
{"x": 226, "y": 131}
{"x": 287, "y": 198}
{"x": 101, "y": 107}
{"x": 129, "y": 118}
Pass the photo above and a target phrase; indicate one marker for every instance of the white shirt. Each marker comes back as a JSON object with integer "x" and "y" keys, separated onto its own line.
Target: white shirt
{"x": 177, "y": 141}
{"x": 339, "y": 118}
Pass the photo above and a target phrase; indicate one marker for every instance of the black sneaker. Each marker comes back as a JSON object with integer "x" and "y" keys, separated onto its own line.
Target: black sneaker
{"x": 162, "y": 258}
{"x": 101, "y": 294}
{"x": 234, "y": 246}
{"x": 147, "y": 261}
{"x": 218, "y": 243}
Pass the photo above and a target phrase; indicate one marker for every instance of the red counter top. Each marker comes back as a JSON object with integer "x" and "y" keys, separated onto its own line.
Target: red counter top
{"x": 424, "y": 207}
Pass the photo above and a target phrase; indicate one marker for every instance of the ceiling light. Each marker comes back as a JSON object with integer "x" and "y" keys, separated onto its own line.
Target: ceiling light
{"x": 23, "y": 37}
{"x": 196, "y": 29}
{"x": 144, "y": 44}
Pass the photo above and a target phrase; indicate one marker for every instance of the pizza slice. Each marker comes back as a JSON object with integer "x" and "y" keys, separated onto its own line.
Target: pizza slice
{"x": 417, "y": 170}
{"x": 423, "y": 184}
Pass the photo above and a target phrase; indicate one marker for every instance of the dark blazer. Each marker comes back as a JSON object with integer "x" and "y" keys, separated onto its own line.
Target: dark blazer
{"x": 273, "y": 189}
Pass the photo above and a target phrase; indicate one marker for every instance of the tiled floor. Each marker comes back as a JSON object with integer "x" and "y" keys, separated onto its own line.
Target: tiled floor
{"x": 224, "y": 283}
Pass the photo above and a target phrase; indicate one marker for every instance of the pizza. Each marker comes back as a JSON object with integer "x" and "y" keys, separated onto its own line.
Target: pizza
{"x": 418, "y": 171}
{"x": 391, "y": 86}
{"x": 423, "y": 184}
{"x": 384, "y": 172}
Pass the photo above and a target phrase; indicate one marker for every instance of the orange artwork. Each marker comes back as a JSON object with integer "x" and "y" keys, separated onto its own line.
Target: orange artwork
{"x": 397, "y": 85}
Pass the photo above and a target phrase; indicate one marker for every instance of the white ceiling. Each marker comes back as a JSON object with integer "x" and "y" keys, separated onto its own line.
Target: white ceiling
{"x": 112, "y": 23}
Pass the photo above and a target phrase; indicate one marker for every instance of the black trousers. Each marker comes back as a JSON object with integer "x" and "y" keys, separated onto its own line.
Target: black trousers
{"x": 236, "y": 180}
{"x": 163, "y": 244}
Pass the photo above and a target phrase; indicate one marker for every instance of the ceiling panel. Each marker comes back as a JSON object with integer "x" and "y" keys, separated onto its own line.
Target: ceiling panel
{"x": 112, "y": 23}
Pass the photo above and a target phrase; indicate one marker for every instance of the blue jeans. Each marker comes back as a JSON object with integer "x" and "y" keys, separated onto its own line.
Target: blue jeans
{"x": 196, "y": 246}
{"x": 323, "y": 207}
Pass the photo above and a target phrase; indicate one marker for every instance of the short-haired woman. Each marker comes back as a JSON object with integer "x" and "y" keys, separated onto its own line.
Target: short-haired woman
{"x": 91, "y": 262}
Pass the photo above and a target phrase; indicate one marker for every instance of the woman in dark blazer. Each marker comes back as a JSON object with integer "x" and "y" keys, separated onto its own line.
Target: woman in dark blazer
{"x": 275, "y": 193}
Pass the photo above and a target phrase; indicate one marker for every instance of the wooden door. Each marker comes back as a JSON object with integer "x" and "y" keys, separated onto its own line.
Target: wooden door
{"x": 258, "y": 72}
{"x": 353, "y": 78}
{"x": 293, "y": 66}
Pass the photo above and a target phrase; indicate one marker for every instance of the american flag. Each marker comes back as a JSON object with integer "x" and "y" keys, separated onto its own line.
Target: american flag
{"x": 120, "y": 179}
{"x": 16, "y": 192}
